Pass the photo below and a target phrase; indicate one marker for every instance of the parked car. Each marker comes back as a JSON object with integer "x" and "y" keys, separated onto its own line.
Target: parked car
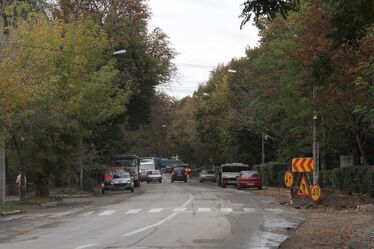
{"x": 154, "y": 176}
{"x": 179, "y": 174}
{"x": 249, "y": 179}
{"x": 116, "y": 178}
{"x": 207, "y": 175}
{"x": 228, "y": 173}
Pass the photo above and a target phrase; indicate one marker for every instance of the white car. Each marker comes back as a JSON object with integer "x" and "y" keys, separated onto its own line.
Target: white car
{"x": 154, "y": 176}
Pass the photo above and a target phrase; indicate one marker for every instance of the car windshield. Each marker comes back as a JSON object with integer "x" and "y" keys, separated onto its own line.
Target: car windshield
{"x": 125, "y": 162}
{"x": 233, "y": 168}
{"x": 179, "y": 169}
{"x": 118, "y": 173}
{"x": 154, "y": 172}
{"x": 146, "y": 166}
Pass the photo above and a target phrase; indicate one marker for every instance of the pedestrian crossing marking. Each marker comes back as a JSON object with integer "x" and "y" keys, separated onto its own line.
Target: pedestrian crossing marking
{"x": 274, "y": 210}
{"x": 155, "y": 210}
{"x": 226, "y": 210}
{"x": 179, "y": 209}
{"x": 249, "y": 210}
{"x": 107, "y": 212}
{"x": 133, "y": 211}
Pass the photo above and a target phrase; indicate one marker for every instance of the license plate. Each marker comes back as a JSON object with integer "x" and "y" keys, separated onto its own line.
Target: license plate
{"x": 250, "y": 184}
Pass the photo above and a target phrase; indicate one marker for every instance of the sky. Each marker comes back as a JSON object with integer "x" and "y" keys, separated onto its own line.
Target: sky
{"x": 204, "y": 33}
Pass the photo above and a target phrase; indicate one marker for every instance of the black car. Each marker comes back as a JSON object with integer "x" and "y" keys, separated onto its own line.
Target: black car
{"x": 179, "y": 174}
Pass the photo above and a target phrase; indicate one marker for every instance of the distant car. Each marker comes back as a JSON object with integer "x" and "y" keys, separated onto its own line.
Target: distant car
{"x": 117, "y": 179}
{"x": 249, "y": 179}
{"x": 154, "y": 176}
{"x": 168, "y": 169}
{"x": 179, "y": 174}
{"x": 207, "y": 175}
{"x": 143, "y": 175}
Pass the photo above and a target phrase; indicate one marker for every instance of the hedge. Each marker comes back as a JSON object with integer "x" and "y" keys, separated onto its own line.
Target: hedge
{"x": 272, "y": 173}
{"x": 359, "y": 179}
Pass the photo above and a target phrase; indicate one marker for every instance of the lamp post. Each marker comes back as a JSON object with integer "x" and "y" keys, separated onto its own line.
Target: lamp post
{"x": 263, "y": 138}
{"x": 2, "y": 173}
{"x": 118, "y": 52}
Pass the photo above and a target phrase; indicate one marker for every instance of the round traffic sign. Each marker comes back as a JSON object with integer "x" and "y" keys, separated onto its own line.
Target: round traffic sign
{"x": 288, "y": 179}
{"x": 316, "y": 192}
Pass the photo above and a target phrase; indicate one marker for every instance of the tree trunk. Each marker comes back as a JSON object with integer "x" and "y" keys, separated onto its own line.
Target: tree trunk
{"x": 41, "y": 182}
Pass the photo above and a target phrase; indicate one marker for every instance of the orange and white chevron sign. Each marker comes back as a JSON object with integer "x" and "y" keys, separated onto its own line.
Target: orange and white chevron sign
{"x": 303, "y": 164}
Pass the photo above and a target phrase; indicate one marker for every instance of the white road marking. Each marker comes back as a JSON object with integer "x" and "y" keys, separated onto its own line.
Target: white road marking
{"x": 249, "y": 210}
{"x": 107, "y": 212}
{"x": 204, "y": 210}
{"x": 179, "y": 209}
{"x": 86, "y": 246}
{"x": 133, "y": 211}
{"x": 155, "y": 210}
{"x": 274, "y": 210}
{"x": 171, "y": 216}
{"x": 226, "y": 210}
{"x": 88, "y": 213}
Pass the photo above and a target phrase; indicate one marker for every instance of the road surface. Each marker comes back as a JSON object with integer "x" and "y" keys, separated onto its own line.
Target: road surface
{"x": 164, "y": 216}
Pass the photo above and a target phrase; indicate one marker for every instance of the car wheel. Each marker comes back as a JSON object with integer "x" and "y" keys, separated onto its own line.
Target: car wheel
{"x": 201, "y": 181}
{"x": 172, "y": 181}
{"x": 160, "y": 181}
{"x": 147, "y": 181}
{"x": 259, "y": 187}
{"x": 185, "y": 180}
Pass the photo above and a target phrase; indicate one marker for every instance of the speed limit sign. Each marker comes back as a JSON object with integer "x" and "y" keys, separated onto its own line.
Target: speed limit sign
{"x": 288, "y": 179}
{"x": 315, "y": 192}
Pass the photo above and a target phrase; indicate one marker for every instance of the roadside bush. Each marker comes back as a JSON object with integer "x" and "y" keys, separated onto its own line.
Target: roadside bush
{"x": 359, "y": 179}
{"x": 272, "y": 173}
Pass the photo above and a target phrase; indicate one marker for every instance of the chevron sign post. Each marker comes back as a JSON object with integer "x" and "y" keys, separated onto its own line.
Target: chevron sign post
{"x": 302, "y": 165}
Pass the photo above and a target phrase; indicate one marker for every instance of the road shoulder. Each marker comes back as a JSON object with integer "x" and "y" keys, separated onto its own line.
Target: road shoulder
{"x": 339, "y": 221}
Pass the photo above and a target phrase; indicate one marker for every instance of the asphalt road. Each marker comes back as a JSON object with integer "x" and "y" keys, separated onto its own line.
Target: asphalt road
{"x": 167, "y": 215}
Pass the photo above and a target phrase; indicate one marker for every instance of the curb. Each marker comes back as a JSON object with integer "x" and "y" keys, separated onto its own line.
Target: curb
{"x": 12, "y": 212}
{"x": 73, "y": 196}
{"x": 51, "y": 204}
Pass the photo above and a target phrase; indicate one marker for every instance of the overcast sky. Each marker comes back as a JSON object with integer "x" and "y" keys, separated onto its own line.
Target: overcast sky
{"x": 204, "y": 33}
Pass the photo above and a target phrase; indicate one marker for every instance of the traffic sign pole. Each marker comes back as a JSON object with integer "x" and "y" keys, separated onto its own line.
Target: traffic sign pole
{"x": 315, "y": 144}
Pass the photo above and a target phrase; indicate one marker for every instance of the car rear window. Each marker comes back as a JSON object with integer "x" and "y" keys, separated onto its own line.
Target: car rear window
{"x": 250, "y": 174}
{"x": 178, "y": 169}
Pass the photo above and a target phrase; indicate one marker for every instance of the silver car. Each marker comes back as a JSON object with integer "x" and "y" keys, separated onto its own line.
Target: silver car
{"x": 154, "y": 176}
{"x": 207, "y": 175}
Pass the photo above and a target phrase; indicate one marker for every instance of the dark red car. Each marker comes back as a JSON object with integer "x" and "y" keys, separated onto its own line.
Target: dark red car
{"x": 249, "y": 179}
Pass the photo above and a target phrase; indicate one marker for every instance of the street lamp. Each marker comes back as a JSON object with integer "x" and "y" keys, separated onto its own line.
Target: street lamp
{"x": 118, "y": 52}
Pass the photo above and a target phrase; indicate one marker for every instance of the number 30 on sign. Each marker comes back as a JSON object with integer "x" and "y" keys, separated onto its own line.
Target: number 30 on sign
{"x": 316, "y": 192}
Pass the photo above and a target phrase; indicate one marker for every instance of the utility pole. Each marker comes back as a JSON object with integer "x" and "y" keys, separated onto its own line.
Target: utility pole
{"x": 2, "y": 173}
{"x": 315, "y": 142}
{"x": 262, "y": 148}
